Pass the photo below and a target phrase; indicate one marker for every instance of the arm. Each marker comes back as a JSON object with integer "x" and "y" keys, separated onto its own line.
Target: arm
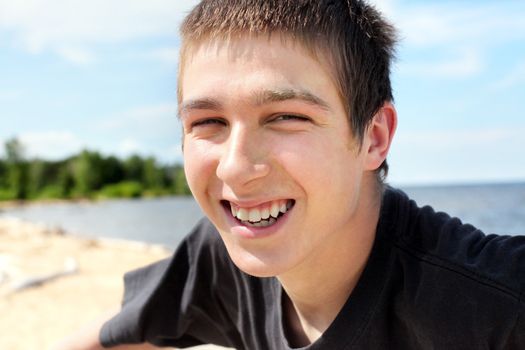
{"x": 87, "y": 338}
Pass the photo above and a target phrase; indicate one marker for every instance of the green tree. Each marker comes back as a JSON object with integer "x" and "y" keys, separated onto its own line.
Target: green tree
{"x": 17, "y": 169}
{"x": 3, "y": 174}
{"x": 37, "y": 177}
{"x": 87, "y": 173}
{"x": 44, "y": 179}
{"x": 180, "y": 184}
{"x": 134, "y": 168}
{"x": 153, "y": 177}
{"x": 65, "y": 179}
{"x": 112, "y": 170}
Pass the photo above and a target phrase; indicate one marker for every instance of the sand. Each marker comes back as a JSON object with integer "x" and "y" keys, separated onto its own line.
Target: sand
{"x": 37, "y": 316}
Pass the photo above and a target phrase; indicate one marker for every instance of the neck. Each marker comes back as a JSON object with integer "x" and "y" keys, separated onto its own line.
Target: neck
{"x": 318, "y": 288}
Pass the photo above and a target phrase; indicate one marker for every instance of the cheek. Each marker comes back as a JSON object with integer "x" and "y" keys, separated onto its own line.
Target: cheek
{"x": 198, "y": 166}
{"x": 318, "y": 162}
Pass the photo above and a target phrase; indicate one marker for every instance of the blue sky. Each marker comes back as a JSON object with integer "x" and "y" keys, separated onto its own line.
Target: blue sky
{"x": 101, "y": 74}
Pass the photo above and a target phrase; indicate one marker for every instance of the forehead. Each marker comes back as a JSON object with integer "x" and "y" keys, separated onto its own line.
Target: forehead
{"x": 264, "y": 62}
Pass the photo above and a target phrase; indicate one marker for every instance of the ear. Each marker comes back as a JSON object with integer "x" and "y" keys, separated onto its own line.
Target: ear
{"x": 379, "y": 135}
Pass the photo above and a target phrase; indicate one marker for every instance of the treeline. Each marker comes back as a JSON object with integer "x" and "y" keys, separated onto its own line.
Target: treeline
{"x": 85, "y": 175}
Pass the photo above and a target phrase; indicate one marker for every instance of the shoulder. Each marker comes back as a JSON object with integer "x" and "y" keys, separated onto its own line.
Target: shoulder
{"x": 454, "y": 248}
{"x": 446, "y": 277}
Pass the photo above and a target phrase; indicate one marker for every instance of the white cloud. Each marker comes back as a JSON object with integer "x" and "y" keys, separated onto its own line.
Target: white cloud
{"x": 67, "y": 25}
{"x": 76, "y": 55}
{"x": 458, "y": 156}
{"x": 51, "y": 144}
{"x": 453, "y": 139}
{"x": 128, "y": 147}
{"x": 466, "y": 63}
{"x": 467, "y": 33}
{"x": 60, "y": 144}
{"x": 149, "y": 130}
{"x": 147, "y": 119}
{"x": 459, "y": 23}
{"x": 74, "y": 28}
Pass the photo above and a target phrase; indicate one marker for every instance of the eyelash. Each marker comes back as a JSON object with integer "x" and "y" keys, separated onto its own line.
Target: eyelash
{"x": 286, "y": 117}
{"x": 207, "y": 122}
{"x": 277, "y": 118}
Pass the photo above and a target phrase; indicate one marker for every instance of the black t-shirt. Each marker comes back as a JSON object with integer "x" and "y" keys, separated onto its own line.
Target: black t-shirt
{"x": 431, "y": 282}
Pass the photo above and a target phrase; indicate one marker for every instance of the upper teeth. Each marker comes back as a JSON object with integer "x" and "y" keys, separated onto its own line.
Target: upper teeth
{"x": 263, "y": 212}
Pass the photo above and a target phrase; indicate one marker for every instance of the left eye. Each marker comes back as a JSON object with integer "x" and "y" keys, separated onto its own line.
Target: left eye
{"x": 291, "y": 117}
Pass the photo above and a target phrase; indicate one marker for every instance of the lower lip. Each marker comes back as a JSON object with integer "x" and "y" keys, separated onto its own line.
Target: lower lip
{"x": 252, "y": 232}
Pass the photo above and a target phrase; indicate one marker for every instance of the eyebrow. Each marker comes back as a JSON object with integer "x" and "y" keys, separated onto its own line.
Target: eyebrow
{"x": 200, "y": 104}
{"x": 268, "y": 96}
{"x": 258, "y": 98}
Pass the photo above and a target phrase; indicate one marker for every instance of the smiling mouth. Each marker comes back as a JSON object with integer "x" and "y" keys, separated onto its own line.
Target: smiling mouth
{"x": 264, "y": 215}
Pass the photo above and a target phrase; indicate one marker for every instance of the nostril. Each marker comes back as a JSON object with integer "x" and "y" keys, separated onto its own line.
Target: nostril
{"x": 242, "y": 162}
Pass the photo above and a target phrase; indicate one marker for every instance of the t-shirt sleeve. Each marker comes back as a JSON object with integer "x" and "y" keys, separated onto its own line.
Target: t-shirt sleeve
{"x": 173, "y": 302}
{"x": 139, "y": 288}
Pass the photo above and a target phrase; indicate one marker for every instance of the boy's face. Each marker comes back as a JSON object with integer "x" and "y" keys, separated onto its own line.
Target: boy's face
{"x": 265, "y": 132}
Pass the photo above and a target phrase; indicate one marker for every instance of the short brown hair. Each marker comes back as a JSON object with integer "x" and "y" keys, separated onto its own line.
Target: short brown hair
{"x": 351, "y": 34}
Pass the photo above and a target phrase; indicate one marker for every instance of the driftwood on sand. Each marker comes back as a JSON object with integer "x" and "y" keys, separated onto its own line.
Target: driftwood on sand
{"x": 70, "y": 267}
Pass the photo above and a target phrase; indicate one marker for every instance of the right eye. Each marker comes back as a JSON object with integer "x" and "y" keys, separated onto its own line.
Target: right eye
{"x": 208, "y": 122}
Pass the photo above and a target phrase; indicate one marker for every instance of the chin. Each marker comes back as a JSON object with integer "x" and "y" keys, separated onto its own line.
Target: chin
{"x": 257, "y": 264}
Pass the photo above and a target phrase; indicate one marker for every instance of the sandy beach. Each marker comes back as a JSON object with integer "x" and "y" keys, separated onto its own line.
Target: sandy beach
{"x": 83, "y": 279}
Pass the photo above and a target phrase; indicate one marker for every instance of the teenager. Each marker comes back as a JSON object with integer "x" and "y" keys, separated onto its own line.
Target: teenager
{"x": 287, "y": 114}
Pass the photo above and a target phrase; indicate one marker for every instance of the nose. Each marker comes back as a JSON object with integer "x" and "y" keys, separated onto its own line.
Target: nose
{"x": 243, "y": 158}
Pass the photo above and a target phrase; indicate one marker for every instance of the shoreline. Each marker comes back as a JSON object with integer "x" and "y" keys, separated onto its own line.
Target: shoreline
{"x": 9, "y": 204}
{"x": 20, "y": 203}
{"x": 53, "y": 283}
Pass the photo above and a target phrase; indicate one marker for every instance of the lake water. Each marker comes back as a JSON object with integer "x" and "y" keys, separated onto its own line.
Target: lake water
{"x": 158, "y": 220}
{"x": 491, "y": 208}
